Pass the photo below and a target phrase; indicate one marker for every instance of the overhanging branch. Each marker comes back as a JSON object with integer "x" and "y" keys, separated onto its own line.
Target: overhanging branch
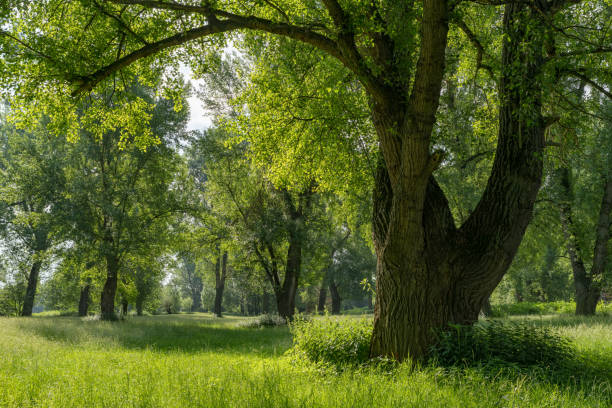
{"x": 231, "y": 22}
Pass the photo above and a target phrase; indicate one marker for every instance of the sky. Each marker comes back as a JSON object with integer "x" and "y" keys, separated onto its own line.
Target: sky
{"x": 199, "y": 118}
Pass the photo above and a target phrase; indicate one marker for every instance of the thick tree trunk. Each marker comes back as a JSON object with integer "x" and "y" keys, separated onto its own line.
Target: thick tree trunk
{"x": 322, "y": 298}
{"x": 220, "y": 275}
{"x": 84, "y": 300}
{"x": 107, "y": 299}
{"x": 487, "y": 310}
{"x": 28, "y": 301}
{"x": 586, "y": 299}
{"x": 138, "y": 307}
{"x": 335, "y": 298}
{"x": 429, "y": 273}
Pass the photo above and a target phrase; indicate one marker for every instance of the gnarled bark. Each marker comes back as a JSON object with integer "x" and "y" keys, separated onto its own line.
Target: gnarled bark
{"x": 429, "y": 273}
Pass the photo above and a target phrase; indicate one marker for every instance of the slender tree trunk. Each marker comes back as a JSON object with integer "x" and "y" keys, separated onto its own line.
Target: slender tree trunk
{"x": 322, "y": 298}
{"x": 28, "y": 301}
{"x": 107, "y": 299}
{"x": 335, "y": 298}
{"x": 84, "y": 300}
{"x": 587, "y": 286}
{"x": 124, "y": 307}
{"x": 220, "y": 275}
{"x": 430, "y": 273}
{"x": 265, "y": 302}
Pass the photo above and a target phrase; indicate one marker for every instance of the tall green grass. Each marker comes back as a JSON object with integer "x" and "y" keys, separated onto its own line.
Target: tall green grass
{"x": 543, "y": 308}
{"x": 199, "y": 361}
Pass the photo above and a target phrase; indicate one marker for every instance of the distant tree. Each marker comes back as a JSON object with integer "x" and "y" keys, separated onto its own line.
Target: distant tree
{"x": 122, "y": 196}
{"x": 31, "y": 187}
{"x": 585, "y": 205}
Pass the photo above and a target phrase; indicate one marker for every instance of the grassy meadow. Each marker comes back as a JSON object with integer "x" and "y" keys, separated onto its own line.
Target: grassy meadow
{"x": 196, "y": 360}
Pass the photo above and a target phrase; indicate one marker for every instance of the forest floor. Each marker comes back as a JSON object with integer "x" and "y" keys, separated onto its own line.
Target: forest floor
{"x": 196, "y": 360}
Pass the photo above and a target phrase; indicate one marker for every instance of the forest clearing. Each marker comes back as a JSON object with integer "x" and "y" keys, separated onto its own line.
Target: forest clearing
{"x": 301, "y": 203}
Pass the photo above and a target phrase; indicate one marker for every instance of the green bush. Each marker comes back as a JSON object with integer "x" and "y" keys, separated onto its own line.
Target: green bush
{"x": 266, "y": 320}
{"x": 501, "y": 343}
{"x": 332, "y": 341}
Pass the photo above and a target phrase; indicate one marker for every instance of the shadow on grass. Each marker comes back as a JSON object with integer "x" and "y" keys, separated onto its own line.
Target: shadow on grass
{"x": 587, "y": 374}
{"x": 177, "y": 333}
{"x": 585, "y": 369}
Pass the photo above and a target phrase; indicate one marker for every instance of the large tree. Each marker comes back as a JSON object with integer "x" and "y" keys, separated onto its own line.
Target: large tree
{"x": 429, "y": 271}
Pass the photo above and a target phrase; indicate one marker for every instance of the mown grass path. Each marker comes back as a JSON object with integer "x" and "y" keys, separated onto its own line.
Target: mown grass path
{"x": 199, "y": 361}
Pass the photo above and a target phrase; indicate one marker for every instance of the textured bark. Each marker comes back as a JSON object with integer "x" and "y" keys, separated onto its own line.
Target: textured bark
{"x": 429, "y": 273}
{"x": 322, "y": 298}
{"x": 28, "y": 301}
{"x": 335, "y": 297}
{"x": 587, "y": 285}
{"x": 84, "y": 300}
{"x": 107, "y": 299}
{"x": 487, "y": 310}
{"x": 220, "y": 276}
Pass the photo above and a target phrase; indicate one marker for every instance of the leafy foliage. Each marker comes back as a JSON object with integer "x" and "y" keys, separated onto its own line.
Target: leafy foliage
{"x": 266, "y": 320}
{"x": 501, "y": 343}
{"x": 331, "y": 341}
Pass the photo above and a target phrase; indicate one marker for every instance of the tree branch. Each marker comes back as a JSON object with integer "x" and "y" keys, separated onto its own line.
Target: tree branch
{"x": 163, "y": 5}
{"x": 87, "y": 83}
{"x": 232, "y": 22}
{"x": 589, "y": 81}
{"x": 121, "y": 23}
{"x": 480, "y": 51}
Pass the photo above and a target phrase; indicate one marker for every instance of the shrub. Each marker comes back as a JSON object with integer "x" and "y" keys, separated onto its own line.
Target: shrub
{"x": 501, "y": 343}
{"x": 332, "y": 341}
{"x": 266, "y": 320}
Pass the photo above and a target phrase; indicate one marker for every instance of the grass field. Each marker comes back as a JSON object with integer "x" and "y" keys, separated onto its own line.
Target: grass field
{"x": 198, "y": 361}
